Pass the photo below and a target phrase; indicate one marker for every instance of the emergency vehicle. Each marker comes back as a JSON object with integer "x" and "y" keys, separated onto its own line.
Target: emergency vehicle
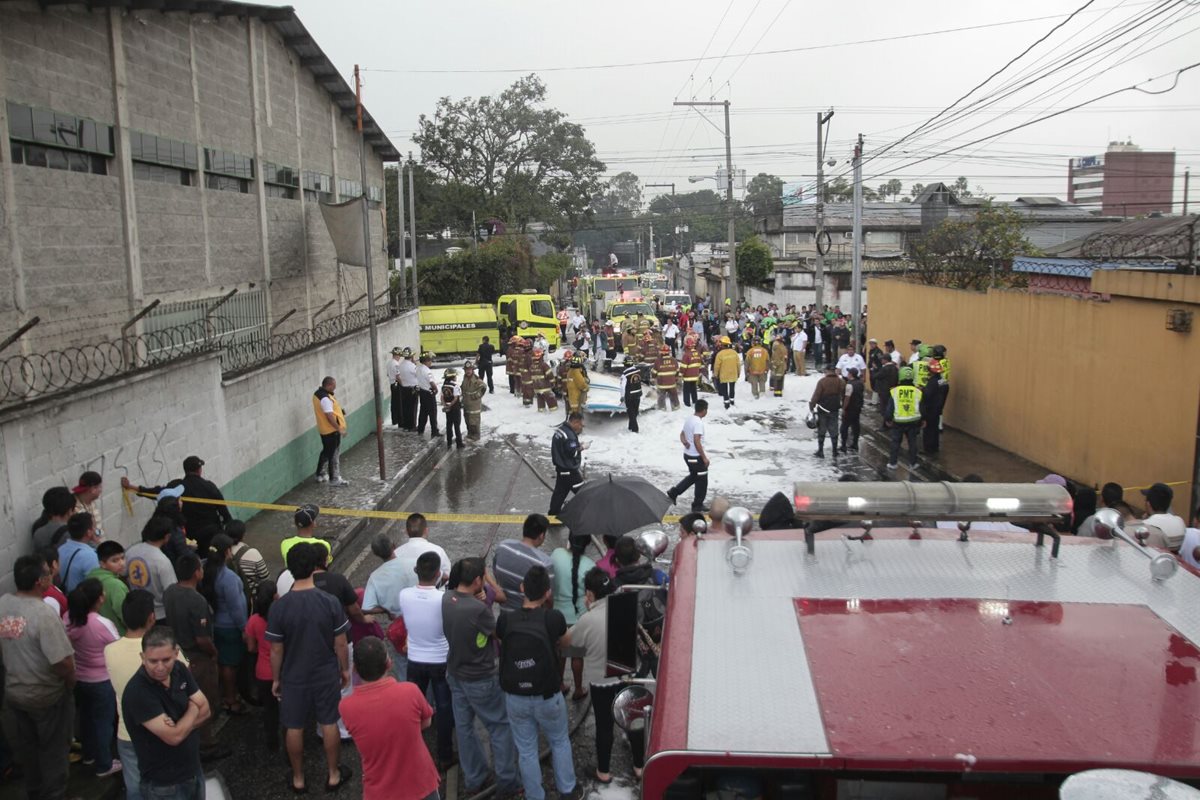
{"x": 628, "y": 308}
{"x": 891, "y": 657}
{"x": 457, "y": 329}
{"x": 597, "y": 291}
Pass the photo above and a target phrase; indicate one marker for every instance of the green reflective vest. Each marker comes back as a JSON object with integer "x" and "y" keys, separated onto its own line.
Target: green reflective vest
{"x": 922, "y": 370}
{"x": 906, "y": 404}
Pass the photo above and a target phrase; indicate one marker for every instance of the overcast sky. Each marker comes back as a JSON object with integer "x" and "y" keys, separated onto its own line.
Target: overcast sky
{"x": 882, "y": 90}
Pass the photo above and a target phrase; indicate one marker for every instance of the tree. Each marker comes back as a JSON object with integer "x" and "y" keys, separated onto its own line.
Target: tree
{"x": 764, "y": 195}
{"x": 502, "y": 266}
{"x": 621, "y": 196}
{"x": 525, "y": 159}
{"x": 550, "y": 267}
{"x": 839, "y": 190}
{"x": 894, "y": 188}
{"x": 973, "y": 253}
{"x": 754, "y": 262}
{"x": 961, "y": 188}
{"x": 916, "y": 189}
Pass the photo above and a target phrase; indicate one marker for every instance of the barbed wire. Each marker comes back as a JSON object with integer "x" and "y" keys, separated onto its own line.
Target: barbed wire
{"x": 58, "y": 372}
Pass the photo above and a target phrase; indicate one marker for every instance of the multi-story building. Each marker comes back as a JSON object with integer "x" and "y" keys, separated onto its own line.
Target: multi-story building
{"x": 1126, "y": 181}
{"x": 173, "y": 152}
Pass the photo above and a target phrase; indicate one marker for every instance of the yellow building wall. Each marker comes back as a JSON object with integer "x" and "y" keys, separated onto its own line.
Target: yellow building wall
{"x": 1098, "y": 390}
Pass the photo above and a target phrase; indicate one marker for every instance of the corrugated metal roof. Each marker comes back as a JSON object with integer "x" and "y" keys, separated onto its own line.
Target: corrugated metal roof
{"x": 295, "y": 36}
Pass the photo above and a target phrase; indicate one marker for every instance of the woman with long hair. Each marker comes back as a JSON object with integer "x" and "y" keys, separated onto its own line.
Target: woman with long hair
{"x": 570, "y": 566}
{"x": 226, "y": 594}
{"x": 255, "y": 637}
{"x": 89, "y": 632}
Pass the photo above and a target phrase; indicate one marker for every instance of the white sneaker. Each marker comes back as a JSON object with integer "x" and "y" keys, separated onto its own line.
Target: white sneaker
{"x": 892, "y": 466}
{"x": 322, "y": 478}
{"x": 339, "y": 482}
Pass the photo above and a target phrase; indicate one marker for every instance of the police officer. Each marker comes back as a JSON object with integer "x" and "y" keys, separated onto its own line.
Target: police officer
{"x": 567, "y": 454}
{"x": 473, "y": 389}
{"x": 904, "y": 417}
{"x": 393, "y": 376}
{"x": 406, "y": 375}
{"x": 631, "y": 392}
{"x": 427, "y": 396}
{"x": 485, "y": 353}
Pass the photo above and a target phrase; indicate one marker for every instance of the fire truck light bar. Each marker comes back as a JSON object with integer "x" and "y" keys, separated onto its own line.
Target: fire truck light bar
{"x": 905, "y": 502}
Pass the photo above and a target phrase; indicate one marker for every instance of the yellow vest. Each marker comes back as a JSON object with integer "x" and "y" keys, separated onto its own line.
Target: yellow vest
{"x": 323, "y": 426}
{"x": 906, "y": 404}
{"x": 290, "y": 542}
{"x": 922, "y": 370}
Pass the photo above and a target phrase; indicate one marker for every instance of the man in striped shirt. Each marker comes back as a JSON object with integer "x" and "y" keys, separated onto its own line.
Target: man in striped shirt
{"x": 514, "y": 558}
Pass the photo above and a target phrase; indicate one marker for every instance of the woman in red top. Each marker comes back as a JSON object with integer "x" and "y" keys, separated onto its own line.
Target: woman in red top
{"x": 255, "y": 636}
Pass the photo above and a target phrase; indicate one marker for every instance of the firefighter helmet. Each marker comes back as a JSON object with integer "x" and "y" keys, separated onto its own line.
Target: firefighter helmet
{"x": 450, "y": 373}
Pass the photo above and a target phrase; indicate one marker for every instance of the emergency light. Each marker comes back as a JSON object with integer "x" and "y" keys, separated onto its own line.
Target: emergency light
{"x": 905, "y": 502}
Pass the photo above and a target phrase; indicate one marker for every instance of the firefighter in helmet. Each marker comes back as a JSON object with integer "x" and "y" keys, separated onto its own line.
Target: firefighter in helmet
{"x": 452, "y": 407}
{"x": 473, "y": 390}
{"x": 779, "y": 361}
{"x": 666, "y": 378}
{"x": 542, "y": 381}
{"x": 513, "y": 364}
{"x": 726, "y": 369}
{"x": 691, "y": 364}
{"x": 577, "y": 384}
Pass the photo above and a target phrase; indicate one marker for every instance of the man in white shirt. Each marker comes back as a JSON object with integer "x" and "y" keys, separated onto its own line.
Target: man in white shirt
{"x": 670, "y": 333}
{"x": 417, "y": 545}
{"x": 421, "y": 607}
{"x": 889, "y": 347}
{"x": 427, "y": 397}
{"x": 393, "y": 376}
{"x": 799, "y": 344}
{"x": 406, "y": 375}
{"x": 692, "y": 439}
{"x": 850, "y": 360}
{"x": 1158, "y": 505}
{"x": 915, "y": 355}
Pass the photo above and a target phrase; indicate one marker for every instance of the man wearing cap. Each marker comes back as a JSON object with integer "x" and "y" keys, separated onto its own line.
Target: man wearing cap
{"x": 473, "y": 389}
{"x": 1158, "y": 506}
{"x": 87, "y": 495}
{"x": 305, "y": 520}
{"x": 203, "y": 520}
{"x": 331, "y": 425}
{"x": 407, "y": 376}
{"x": 427, "y": 397}
{"x": 393, "y": 376}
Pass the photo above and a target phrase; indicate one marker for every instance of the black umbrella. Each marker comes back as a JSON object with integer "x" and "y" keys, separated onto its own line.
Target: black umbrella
{"x": 614, "y": 506}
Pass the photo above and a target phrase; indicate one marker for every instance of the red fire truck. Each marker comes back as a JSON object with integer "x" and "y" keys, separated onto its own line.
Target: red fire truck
{"x": 890, "y": 657}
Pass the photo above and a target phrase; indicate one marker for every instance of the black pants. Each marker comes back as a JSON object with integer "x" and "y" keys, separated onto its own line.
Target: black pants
{"x": 408, "y": 398}
{"x": 633, "y": 402}
{"x": 827, "y": 425}
{"x": 698, "y": 476}
{"x": 41, "y": 740}
{"x": 850, "y": 426}
{"x": 602, "y": 700}
{"x": 690, "y": 391}
{"x": 330, "y": 442}
{"x": 726, "y": 390}
{"x": 397, "y": 405}
{"x": 428, "y": 413}
{"x": 564, "y": 483}
{"x": 901, "y": 431}
{"x": 270, "y": 707}
{"x": 485, "y": 372}
{"x": 454, "y": 427}
{"x": 424, "y": 675}
{"x": 671, "y": 344}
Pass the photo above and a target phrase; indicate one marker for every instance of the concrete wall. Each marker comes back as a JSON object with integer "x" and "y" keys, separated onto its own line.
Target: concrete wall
{"x": 1099, "y": 391}
{"x": 255, "y": 432}
{"x": 99, "y": 247}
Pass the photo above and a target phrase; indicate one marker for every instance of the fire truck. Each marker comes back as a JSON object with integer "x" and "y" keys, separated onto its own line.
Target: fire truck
{"x": 870, "y": 653}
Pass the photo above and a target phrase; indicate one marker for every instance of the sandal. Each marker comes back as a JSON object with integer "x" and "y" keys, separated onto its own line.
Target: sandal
{"x": 579, "y": 696}
{"x": 344, "y": 774}
{"x": 602, "y": 781}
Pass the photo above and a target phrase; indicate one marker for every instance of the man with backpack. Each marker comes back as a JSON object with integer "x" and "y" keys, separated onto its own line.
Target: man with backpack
{"x": 530, "y": 640}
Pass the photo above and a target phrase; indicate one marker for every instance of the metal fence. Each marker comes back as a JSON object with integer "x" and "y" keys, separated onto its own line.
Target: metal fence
{"x": 38, "y": 376}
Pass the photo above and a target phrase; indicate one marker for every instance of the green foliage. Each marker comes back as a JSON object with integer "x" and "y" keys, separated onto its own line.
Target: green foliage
{"x": 975, "y": 253}
{"x": 764, "y": 195}
{"x": 550, "y": 267}
{"x": 754, "y": 263}
{"x": 524, "y": 160}
{"x": 502, "y": 266}
{"x": 916, "y": 189}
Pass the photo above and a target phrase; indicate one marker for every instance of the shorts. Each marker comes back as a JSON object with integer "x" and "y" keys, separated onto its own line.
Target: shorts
{"x": 230, "y": 647}
{"x": 298, "y": 704}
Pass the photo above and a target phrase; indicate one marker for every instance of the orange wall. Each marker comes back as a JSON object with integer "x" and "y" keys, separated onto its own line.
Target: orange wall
{"x": 1097, "y": 390}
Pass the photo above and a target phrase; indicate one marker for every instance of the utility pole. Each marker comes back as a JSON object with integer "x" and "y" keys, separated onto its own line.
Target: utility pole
{"x": 675, "y": 239}
{"x": 856, "y": 273}
{"x": 366, "y": 232}
{"x": 412, "y": 223}
{"x": 400, "y": 216}
{"x": 733, "y": 282}
{"x": 819, "y": 278}
{"x": 1187, "y": 177}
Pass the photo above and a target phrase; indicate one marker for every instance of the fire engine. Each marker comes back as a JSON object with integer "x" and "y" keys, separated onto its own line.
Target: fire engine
{"x": 868, "y": 653}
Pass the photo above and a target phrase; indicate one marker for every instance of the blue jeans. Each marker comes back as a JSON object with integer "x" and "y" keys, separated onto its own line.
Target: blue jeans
{"x": 527, "y": 716}
{"x": 485, "y": 700}
{"x": 129, "y": 770}
{"x": 97, "y": 704}
{"x": 192, "y": 790}
{"x": 423, "y": 675}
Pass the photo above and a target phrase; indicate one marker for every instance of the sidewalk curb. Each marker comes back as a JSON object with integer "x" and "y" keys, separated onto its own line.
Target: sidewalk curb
{"x": 417, "y": 465}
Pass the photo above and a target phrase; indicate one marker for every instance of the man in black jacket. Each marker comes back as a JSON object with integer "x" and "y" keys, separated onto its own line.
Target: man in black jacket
{"x": 567, "y": 454}
{"x": 203, "y": 520}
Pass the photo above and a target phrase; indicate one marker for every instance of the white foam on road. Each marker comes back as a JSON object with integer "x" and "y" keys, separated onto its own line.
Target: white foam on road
{"x": 757, "y": 448}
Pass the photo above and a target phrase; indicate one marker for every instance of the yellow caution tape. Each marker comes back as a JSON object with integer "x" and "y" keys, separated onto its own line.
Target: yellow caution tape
{"x": 475, "y": 519}
{"x": 1172, "y": 483}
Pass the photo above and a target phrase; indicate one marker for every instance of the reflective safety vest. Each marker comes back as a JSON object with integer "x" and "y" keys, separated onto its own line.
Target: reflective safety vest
{"x": 922, "y": 370}
{"x": 691, "y": 364}
{"x": 906, "y": 404}
{"x": 945, "y": 370}
{"x": 323, "y": 425}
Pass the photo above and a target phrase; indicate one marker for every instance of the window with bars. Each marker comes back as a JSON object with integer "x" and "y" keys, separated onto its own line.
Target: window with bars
{"x": 227, "y": 171}
{"x": 43, "y": 138}
{"x": 318, "y": 187}
{"x": 163, "y": 160}
{"x": 281, "y": 181}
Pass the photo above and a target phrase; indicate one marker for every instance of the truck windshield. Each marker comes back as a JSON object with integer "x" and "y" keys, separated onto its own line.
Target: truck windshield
{"x": 608, "y": 284}
{"x": 541, "y": 308}
{"x": 631, "y": 309}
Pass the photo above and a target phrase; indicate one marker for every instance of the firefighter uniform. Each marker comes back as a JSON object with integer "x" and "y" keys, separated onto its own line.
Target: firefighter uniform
{"x": 541, "y": 382}
{"x": 779, "y": 364}
{"x": 904, "y": 413}
{"x": 757, "y": 361}
{"x": 648, "y": 352}
{"x": 690, "y": 366}
{"x": 577, "y": 385}
{"x": 473, "y": 390}
{"x": 513, "y": 365}
{"x": 666, "y": 378}
{"x": 525, "y": 367}
{"x": 631, "y": 393}
{"x": 726, "y": 368}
